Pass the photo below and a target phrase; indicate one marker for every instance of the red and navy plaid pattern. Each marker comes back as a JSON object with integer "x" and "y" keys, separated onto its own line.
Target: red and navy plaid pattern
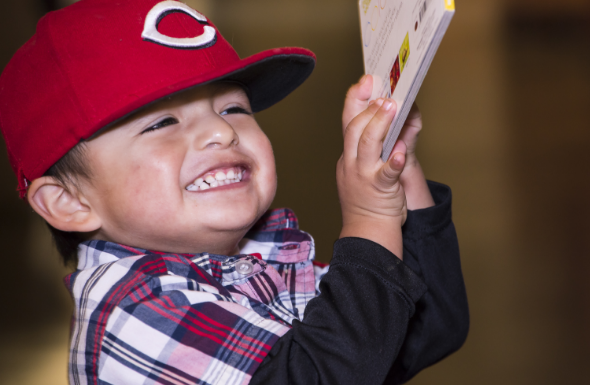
{"x": 145, "y": 317}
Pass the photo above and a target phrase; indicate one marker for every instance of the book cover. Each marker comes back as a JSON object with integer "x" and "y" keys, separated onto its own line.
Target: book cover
{"x": 400, "y": 39}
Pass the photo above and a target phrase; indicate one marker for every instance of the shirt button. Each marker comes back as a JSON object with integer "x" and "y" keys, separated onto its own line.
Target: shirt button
{"x": 244, "y": 267}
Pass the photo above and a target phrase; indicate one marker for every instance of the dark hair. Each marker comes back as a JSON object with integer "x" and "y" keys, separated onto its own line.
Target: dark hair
{"x": 68, "y": 171}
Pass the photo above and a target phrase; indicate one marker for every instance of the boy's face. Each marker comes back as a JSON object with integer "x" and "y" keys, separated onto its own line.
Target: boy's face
{"x": 149, "y": 173}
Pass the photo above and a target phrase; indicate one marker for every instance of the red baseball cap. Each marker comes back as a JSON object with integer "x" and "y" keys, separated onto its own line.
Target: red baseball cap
{"x": 95, "y": 62}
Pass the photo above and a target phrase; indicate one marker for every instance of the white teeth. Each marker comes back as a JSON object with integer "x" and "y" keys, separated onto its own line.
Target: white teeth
{"x": 233, "y": 175}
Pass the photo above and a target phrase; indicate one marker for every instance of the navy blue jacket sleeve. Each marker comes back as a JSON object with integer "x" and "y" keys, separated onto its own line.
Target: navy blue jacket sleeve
{"x": 377, "y": 320}
{"x": 352, "y": 332}
{"x": 441, "y": 321}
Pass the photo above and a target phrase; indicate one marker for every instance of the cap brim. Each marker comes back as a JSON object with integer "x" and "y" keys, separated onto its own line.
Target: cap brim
{"x": 268, "y": 77}
{"x": 272, "y": 75}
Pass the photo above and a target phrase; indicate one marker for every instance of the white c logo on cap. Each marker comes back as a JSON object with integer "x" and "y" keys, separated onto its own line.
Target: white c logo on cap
{"x": 153, "y": 18}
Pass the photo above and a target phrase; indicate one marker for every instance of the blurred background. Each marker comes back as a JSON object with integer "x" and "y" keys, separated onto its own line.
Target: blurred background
{"x": 506, "y": 113}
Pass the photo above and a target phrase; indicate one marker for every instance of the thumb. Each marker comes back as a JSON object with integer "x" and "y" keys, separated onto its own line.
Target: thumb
{"x": 356, "y": 100}
{"x": 395, "y": 164}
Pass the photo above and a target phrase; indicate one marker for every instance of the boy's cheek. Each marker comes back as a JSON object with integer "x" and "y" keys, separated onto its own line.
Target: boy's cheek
{"x": 272, "y": 187}
{"x": 261, "y": 151}
{"x": 270, "y": 176}
{"x": 131, "y": 189}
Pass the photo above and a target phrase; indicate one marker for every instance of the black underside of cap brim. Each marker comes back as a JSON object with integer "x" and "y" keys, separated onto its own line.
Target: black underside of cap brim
{"x": 271, "y": 79}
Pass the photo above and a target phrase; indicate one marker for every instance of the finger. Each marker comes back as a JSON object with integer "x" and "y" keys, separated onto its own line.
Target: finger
{"x": 394, "y": 166}
{"x": 356, "y": 100}
{"x": 414, "y": 118}
{"x": 357, "y": 126}
{"x": 371, "y": 141}
{"x": 411, "y": 129}
{"x": 414, "y": 113}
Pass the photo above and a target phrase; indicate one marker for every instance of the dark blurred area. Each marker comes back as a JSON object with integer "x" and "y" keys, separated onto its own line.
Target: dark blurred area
{"x": 505, "y": 108}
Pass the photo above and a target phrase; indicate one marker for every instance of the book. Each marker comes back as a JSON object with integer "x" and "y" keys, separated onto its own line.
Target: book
{"x": 400, "y": 39}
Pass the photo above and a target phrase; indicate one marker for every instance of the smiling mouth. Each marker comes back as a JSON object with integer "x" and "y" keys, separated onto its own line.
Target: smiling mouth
{"x": 217, "y": 178}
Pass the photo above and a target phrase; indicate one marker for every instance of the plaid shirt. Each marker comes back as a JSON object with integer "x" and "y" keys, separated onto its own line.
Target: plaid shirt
{"x": 145, "y": 317}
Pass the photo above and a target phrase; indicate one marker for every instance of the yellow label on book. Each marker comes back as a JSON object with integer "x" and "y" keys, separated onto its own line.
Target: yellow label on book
{"x": 404, "y": 52}
{"x": 450, "y": 5}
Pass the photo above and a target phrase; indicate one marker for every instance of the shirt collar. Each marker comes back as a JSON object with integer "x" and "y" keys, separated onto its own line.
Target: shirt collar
{"x": 95, "y": 252}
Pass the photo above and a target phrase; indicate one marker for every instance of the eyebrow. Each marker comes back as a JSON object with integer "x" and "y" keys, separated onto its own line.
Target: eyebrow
{"x": 233, "y": 87}
{"x": 144, "y": 120}
{"x": 137, "y": 118}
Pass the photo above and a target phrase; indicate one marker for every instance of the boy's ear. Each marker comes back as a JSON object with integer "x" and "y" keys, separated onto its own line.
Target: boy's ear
{"x": 64, "y": 209}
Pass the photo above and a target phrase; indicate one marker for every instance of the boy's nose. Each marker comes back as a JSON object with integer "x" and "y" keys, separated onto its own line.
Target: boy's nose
{"x": 218, "y": 134}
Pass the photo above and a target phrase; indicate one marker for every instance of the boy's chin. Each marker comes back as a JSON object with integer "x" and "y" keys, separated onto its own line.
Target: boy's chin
{"x": 240, "y": 222}
{"x": 235, "y": 222}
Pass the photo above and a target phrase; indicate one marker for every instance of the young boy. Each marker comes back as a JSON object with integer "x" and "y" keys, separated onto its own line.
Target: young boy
{"x": 129, "y": 126}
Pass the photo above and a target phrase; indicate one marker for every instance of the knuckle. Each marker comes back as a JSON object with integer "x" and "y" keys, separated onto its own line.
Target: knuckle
{"x": 365, "y": 140}
{"x": 348, "y": 130}
{"x": 384, "y": 177}
{"x": 355, "y": 121}
{"x": 416, "y": 129}
{"x": 389, "y": 173}
{"x": 345, "y": 130}
{"x": 374, "y": 108}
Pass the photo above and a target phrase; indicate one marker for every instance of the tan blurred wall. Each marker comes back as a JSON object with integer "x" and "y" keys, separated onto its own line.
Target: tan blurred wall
{"x": 561, "y": 6}
{"x": 28, "y": 255}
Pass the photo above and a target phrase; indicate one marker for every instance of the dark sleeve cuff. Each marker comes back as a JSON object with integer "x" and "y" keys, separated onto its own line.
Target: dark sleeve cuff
{"x": 431, "y": 220}
{"x": 373, "y": 257}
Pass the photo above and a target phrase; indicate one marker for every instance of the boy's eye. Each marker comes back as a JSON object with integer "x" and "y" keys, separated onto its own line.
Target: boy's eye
{"x": 235, "y": 110}
{"x": 161, "y": 124}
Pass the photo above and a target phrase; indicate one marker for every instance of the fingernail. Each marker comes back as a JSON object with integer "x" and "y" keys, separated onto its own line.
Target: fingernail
{"x": 363, "y": 80}
{"x": 371, "y": 102}
{"x": 388, "y": 104}
{"x": 379, "y": 102}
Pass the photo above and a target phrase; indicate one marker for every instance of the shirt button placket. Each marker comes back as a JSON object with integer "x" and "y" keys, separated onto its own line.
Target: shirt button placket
{"x": 244, "y": 267}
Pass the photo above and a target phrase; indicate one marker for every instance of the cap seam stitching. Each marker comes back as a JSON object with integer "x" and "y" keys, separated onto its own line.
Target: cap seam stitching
{"x": 67, "y": 77}
{"x": 66, "y": 74}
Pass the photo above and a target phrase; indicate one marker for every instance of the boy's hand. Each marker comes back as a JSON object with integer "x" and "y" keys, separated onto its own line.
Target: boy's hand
{"x": 409, "y": 134}
{"x": 412, "y": 178}
{"x": 371, "y": 195}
